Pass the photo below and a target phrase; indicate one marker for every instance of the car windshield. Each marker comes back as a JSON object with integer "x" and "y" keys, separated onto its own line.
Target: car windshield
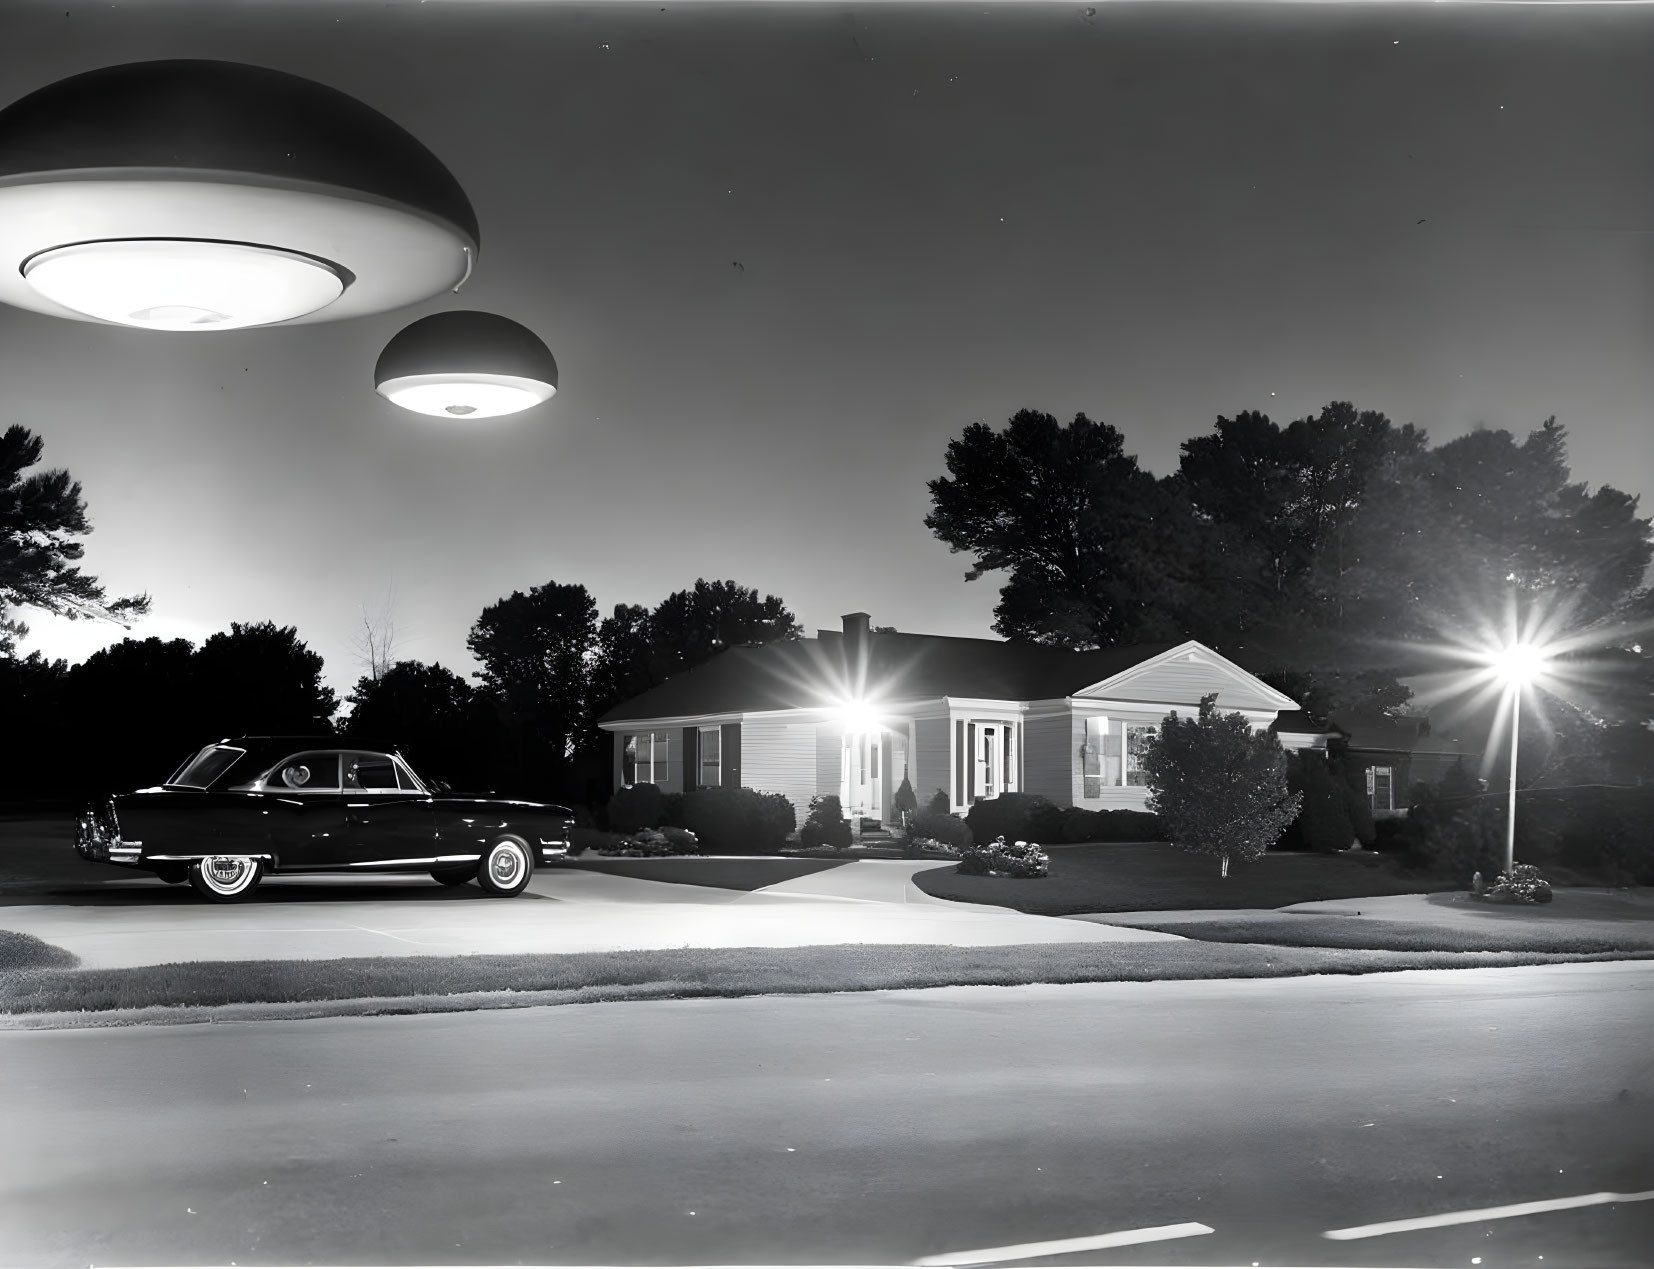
{"x": 202, "y": 770}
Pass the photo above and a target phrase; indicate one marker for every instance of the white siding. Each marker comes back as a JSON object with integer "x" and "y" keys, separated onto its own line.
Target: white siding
{"x": 780, "y": 757}
{"x": 1048, "y": 766}
{"x": 829, "y": 758}
{"x": 1184, "y": 682}
{"x": 931, "y": 762}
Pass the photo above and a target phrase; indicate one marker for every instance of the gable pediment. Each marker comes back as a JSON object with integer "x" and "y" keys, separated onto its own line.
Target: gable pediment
{"x": 1181, "y": 676}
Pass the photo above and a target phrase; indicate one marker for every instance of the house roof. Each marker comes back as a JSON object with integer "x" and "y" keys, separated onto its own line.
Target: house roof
{"x": 807, "y": 673}
{"x": 1403, "y": 734}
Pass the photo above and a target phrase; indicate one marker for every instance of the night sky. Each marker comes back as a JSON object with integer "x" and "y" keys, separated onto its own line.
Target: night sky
{"x": 1152, "y": 213}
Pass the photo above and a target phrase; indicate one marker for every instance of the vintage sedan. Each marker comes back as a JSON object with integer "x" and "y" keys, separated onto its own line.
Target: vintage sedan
{"x": 241, "y": 810}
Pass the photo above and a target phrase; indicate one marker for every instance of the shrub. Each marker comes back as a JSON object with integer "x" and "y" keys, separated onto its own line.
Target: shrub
{"x": 1403, "y": 837}
{"x": 1000, "y": 858}
{"x": 943, "y": 827}
{"x": 671, "y": 810}
{"x": 635, "y": 806}
{"x": 1360, "y": 814}
{"x": 1045, "y": 823}
{"x": 1218, "y": 786}
{"x": 826, "y": 825}
{"x": 903, "y": 804}
{"x": 730, "y": 821}
{"x": 1323, "y": 822}
{"x": 940, "y": 803}
{"x": 1008, "y": 815}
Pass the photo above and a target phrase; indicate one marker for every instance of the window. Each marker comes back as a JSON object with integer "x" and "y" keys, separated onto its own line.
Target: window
{"x": 371, "y": 773}
{"x": 711, "y": 746}
{"x": 306, "y": 773}
{"x": 643, "y": 761}
{"x": 1381, "y": 786}
{"x": 200, "y": 771}
{"x": 1112, "y": 754}
{"x": 1139, "y": 736}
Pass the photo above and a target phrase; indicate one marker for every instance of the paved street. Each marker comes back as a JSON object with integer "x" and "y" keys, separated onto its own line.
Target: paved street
{"x": 856, "y": 1129}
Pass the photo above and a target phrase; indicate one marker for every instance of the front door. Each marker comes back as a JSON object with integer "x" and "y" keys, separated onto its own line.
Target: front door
{"x": 995, "y": 768}
{"x": 861, "y": 790}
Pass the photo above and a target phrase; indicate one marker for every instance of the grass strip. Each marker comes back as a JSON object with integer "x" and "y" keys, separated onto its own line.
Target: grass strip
{"x": 1316, "y": 930}
{"x": 690, "y": 972}
{"x": 25, "y": 951}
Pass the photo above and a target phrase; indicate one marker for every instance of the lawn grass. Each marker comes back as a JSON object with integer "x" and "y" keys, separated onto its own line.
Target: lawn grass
{"x": 1314, "y": 929}
{"x": 181, "y": 992}
{"x": 1157, "y": 877}
{"x": 25, "y": 951}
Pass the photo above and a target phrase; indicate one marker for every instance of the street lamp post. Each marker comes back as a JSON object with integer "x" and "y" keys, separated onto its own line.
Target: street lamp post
{"x": 1510, "y": 815}
{"x": 1517, "y": 664}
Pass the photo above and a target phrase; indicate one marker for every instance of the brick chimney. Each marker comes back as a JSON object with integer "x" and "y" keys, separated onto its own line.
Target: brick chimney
{"x": 857, "y": 647}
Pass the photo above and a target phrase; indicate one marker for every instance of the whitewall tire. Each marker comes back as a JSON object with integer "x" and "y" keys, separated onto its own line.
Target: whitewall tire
{"x": 226, "y": 878}
{"x": 506, "y": 867}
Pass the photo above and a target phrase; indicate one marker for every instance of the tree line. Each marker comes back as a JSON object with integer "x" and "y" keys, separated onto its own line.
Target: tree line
{"x": 1334, "y": 555}
{"x": 130, "y": 713}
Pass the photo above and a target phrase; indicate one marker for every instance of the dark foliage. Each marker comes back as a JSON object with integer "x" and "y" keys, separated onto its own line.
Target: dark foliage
{"x": 730, "y": 821}
{"x": 445, "y": 728}
{"x": 1081, "y": 825}
{"x": 903, "y": 804}
{"x": 260, "y": 679}
{"x": 1323, "y": 822}
{"x": 637, "y": 806}
{"x": 533, "y": 649}
{"x": 943, "y": 827}
{"x": 1218, "y": 786}
{"x": 939, "y": 802}
{"x": 42, "y": 518}
{"x": 1010, "y": 815}
{"x": 825, "y": 825}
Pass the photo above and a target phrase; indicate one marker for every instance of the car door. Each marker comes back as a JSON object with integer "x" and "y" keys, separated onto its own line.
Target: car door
{"x": 304, "y": 803}
{"x": 388, "y": 819}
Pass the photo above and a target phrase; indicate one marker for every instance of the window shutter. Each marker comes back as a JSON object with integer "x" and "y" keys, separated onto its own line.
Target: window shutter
{"x": 691, "y": 758}
{"x": 960, "y": 758}
{"x": 730, "y": 744}
{"x": 970, "y": 766}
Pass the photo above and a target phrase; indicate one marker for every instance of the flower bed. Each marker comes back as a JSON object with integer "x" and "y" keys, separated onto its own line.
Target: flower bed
{"x": 1000, "y": 858}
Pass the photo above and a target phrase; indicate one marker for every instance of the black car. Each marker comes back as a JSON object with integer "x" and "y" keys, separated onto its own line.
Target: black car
{"x": 242, "y": 809}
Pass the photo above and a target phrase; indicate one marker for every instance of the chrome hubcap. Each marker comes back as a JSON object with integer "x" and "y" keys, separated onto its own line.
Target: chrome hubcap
{"x": 225, "y": 872}
{"x": 505, "y": 865}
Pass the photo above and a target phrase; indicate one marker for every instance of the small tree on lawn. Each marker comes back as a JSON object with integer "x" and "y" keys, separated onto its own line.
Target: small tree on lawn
{"x": 1219, "y": 787}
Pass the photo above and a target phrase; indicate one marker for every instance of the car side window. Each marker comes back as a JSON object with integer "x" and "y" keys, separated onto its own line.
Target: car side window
{"x": 307, "y": 773}
{"x": 371, "y": 773}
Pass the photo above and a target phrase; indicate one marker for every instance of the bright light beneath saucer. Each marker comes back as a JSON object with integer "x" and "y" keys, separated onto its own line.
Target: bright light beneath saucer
{"x": 183, "y": 284}
{"x": 465, "y": 395}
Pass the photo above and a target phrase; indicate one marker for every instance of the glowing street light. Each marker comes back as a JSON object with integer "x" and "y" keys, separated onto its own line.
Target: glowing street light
{"x": 1517, "y": 664}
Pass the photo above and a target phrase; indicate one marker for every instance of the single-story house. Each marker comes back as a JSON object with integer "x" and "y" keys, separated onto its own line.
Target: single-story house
{"x": 853, "y": 711}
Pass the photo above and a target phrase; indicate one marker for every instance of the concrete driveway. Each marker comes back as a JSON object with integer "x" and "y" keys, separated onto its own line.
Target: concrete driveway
{"x": 564, "y": 910}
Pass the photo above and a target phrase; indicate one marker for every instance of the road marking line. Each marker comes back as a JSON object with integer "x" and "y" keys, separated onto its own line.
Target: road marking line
{"x": 1486, "y": 1214}
{"x": 1027, "y": 1251}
